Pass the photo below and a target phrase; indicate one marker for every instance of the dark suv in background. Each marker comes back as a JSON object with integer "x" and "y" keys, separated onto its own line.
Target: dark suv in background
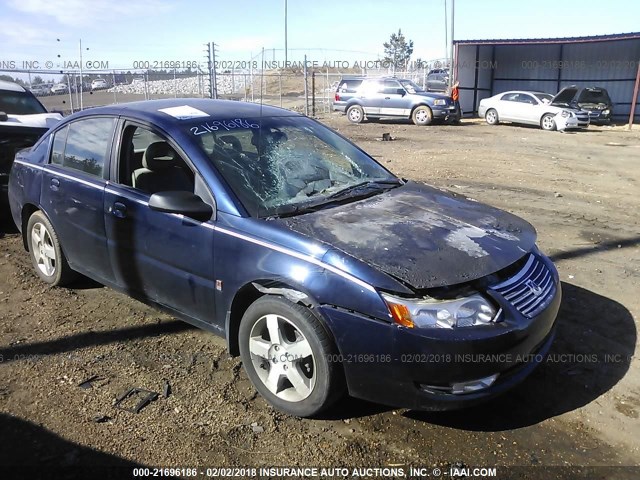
{"x": 362, "y": 98}
{"x": 594, "y": 100}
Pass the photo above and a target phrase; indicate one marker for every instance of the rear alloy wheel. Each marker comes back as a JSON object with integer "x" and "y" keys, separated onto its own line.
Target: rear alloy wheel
{"x": 355, "y": 114}
{"x": 491, "y": 117}
{"x": 422, "y": 115}
{"x": 46, "y": 252}
{"x": 286, "y": 353}
{"x": 547, "y": 122}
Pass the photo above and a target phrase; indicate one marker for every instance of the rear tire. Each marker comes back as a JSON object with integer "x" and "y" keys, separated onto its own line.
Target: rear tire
{"x": 46, "y": 253}
{"x": 492, "y": 117}
{"x": 422, "y": 115}
{"x": 287, "y": 355}
{"x": 355, "y": 114}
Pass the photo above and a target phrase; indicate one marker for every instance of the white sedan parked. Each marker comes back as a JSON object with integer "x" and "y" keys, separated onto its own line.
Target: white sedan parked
{"x": 531, "y": 108}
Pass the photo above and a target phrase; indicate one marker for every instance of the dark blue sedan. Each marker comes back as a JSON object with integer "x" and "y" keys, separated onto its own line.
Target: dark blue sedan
{"x": 322, "y": 269}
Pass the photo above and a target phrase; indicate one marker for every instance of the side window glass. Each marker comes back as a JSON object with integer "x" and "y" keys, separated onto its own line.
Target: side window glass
{"x": 390, "y": 87}
{"x": 150, "y": 164}
{"x": 526, "y": 99}
{"x": 59, "y": 142}
{"x": 87, "y": 145}
{"x": 369, "y": 87}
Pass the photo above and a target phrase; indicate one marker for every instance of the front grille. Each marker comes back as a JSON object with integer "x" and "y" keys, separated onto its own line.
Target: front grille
{"x": 531, "y": 289}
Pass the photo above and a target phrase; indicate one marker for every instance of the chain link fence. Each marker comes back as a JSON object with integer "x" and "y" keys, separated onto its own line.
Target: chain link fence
{"x": 305, "y": 91}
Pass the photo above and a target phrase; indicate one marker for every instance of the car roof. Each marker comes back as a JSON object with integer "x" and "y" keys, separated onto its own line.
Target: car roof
{"x": 532, "y": 92}
{"x": 14, "y": 87}
{"x": 388, "y": 77}
{"x": 149, "y": 110}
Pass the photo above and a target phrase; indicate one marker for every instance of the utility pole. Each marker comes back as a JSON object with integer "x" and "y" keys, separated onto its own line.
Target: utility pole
{"x": 81, "y": 79}
{"x": 285, "y": 34}
{"x": 207, "y": 51}
{"x": 451, "y": 66}
{"x": 214, "y": 85}
{"x": 446, "y": 34}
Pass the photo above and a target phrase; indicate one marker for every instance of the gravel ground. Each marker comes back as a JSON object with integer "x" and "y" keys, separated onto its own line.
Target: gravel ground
{"x": 578, "y": 411}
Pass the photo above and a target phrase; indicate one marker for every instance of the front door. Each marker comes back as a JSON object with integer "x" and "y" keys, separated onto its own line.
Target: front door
{"x": 162, "y": 257}
{"x": 395, "y": 101}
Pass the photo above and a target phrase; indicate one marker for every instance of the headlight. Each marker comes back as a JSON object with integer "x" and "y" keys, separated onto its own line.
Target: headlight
{"x": 567, "y": 113}
{"x": 432, "y": 313}
{"x": 606, "y": 112}
{"x": 440, "y": 101}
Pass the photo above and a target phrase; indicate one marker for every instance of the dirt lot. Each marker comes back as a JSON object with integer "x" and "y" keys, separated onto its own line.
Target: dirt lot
{"x": 579, "y": 409}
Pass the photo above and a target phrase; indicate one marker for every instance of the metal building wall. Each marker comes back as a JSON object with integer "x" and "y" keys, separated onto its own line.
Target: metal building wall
{"x": 548, "y": 67}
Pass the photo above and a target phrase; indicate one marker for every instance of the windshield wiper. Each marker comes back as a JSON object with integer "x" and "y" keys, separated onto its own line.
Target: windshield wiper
{"x": 291, "y": 209}
{"x": 375, "y": 185}
{"x": 366, "y": 188}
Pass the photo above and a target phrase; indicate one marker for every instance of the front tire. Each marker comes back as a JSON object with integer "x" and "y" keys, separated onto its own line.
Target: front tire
{"x": 422, "y": 115}
{"x": 355, "y": 114}
{"x": 547, "y": 122}
{"x": 46, "y": 252}
{"x": 287, "y": 355}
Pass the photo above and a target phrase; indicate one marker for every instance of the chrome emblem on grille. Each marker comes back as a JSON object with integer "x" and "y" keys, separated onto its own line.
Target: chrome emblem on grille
{"x": 533, "y": 287}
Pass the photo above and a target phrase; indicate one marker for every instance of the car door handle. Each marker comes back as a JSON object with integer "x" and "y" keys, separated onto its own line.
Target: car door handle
{"x": 387, "y": 98}
{"x": 118, "y": 210}
{"x": 55, "y": 184}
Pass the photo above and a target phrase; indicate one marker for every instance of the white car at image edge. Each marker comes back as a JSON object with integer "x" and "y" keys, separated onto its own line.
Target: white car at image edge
{"x": 531, "y": 108}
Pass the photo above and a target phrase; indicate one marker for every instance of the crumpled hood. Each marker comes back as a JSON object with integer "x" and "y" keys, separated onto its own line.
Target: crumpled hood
{"x": 420, "y": 235}
{"x": 37, "y": 120}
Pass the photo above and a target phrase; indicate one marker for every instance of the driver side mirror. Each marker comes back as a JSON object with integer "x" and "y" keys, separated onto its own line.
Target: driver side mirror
{"x": 401, "y": 91}
{"x": 181, "y": 203}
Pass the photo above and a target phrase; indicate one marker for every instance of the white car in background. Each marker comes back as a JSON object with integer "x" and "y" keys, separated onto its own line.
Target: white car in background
{"x": 99, "y": 84}
{"x": 59, "y": 88}
{"x": 531, "y": 108}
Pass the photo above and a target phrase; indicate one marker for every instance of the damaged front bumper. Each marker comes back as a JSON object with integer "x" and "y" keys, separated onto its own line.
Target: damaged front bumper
{"x": 440, "y": 369}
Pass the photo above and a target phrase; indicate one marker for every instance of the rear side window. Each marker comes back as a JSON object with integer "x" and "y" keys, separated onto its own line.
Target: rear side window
{"x": 349, "y": 86}
{"x": 84, "y": 145}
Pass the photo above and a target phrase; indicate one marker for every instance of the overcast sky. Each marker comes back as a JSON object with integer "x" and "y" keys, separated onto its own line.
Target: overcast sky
{"x": 121, "y": 33}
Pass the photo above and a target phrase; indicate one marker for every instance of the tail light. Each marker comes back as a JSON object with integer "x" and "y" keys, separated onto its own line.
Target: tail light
{"x": 337, "y": 97}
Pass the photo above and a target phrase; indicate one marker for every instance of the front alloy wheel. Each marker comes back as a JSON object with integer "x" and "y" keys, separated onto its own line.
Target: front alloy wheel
{"x": 287, "y": 355}
{"x": 422, "y": 115}
{"x": 547, "y": 122}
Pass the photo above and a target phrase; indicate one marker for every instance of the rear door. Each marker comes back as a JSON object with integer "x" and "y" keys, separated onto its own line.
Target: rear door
{"x": 72, "y": 194}
{"x": 369, "y": 96}
{"x": 157, "y": 256}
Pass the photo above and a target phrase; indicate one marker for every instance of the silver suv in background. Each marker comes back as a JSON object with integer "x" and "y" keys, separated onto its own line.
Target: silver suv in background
{"x": 362, "y": 98}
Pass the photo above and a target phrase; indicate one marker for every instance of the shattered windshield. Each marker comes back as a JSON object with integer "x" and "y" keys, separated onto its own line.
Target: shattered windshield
{"x": 277, "y": 162}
